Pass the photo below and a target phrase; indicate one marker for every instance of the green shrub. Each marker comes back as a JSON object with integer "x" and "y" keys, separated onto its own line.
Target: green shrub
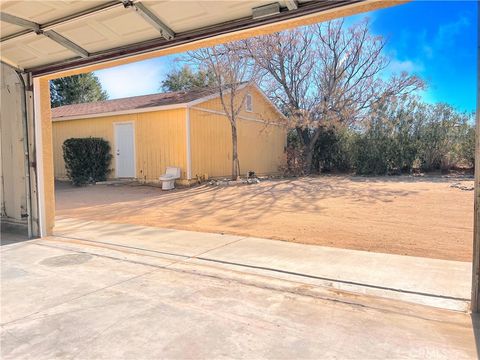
{"x": 332, "y": 150}
{"x": 467, "y": 146}
{"x": 371, "y": 154}
{"x": 446, "y": 138}
{"x": 87, "y": 160}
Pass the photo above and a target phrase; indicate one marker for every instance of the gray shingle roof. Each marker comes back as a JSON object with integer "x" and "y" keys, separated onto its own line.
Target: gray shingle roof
{"x": 131, "y": 103}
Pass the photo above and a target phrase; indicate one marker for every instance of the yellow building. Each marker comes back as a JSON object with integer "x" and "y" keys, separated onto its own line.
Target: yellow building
{"x": 188, "y": 130}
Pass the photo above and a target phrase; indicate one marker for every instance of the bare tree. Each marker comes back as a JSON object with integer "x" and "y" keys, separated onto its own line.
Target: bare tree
{"x": 326, "y": 75}
{"x": 232, "y": 71}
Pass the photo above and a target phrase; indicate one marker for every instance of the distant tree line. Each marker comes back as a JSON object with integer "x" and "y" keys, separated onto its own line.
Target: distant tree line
{"x": 76, "y": 89}
{"x": 186, "y": 79}
{"x": 397, "y": 138}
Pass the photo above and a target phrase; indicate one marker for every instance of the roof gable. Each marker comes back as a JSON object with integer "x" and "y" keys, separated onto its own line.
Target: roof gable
{"x": 268, "y": 101}
{"x": 256, "y": 89}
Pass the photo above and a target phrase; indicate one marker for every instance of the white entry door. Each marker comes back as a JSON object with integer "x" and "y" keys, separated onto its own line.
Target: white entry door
{"x": 125, "y": 150}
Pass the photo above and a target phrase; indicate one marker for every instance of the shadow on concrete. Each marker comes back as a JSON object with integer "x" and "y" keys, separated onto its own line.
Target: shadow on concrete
{"x": 12, "y": 233}
{"x": 7, "y": 238}
{"x": 476, "y": 331}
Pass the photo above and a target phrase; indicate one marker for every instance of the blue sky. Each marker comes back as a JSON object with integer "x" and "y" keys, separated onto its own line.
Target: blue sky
{"x": 433, "y": 39}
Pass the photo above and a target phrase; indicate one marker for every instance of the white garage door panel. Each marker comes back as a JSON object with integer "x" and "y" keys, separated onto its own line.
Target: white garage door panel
{"x": 111, "y": 26}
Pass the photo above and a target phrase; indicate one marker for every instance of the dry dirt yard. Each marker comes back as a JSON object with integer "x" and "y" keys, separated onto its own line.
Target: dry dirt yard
{"x": 399, "y": 215}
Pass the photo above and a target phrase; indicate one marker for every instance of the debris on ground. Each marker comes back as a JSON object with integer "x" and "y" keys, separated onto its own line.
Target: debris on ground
{"x": 228, "y": 182}
{"x": 463, "y": 187}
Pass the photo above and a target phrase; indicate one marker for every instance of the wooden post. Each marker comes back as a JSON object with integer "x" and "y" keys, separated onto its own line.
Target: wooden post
{"x": 475, "y": 304}
{"x": 44, "y": 156}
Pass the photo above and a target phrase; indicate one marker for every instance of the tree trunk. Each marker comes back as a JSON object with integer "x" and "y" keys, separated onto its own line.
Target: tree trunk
{"x": 235, "y": 160}
{"x": 308, "y": 159}
{"x": 309, "y": 150}
{"x": 303, "y": 135}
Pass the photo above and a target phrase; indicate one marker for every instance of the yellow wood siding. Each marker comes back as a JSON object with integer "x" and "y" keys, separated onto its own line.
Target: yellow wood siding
{"x": 160, "y": 140}
{"x": 261, "y": 143}
{"x": 211, "y": 144}
{"x": 261, "y": 147}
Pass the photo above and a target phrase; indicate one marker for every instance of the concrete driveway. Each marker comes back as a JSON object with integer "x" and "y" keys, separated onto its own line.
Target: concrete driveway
{"x": 73, "y": 299}
{"x": 433, "y": 282}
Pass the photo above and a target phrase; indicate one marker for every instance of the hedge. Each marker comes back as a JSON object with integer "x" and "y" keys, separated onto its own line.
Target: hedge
{"x": 87, "y": 160}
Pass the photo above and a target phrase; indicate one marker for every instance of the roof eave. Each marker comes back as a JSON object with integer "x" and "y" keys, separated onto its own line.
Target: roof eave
{"x": 121, "y": 112}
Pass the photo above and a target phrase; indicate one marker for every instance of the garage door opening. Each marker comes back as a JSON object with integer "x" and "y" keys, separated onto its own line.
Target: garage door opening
{"x": 349, "y": 232}
{"x": 346, "y": 192}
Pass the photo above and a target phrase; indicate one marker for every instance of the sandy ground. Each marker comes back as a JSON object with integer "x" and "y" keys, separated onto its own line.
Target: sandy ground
{"x": 399, "y": 215}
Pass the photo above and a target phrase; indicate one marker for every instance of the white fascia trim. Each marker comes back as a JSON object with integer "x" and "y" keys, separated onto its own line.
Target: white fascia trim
{"x": 188, "y": 140}
{"x": 122, "y": 112}
{"x": 42, "y": 221}
{"x": 240, "y": 116}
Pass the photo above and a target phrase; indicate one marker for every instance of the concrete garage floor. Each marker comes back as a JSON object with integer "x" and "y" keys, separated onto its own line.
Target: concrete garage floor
{"x": 64, "y": 299}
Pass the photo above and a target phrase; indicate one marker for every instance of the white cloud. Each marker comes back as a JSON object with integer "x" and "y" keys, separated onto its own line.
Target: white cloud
{"x": 133, "y": 79}
{"x": 398, "y": 66}
{"x": 448, "y": 32}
